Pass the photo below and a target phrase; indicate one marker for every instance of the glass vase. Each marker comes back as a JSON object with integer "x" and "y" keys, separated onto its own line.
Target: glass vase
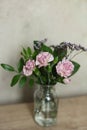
{"x": 45, "y": 105}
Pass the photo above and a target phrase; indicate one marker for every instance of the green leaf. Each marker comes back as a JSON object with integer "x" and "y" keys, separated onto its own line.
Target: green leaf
{"x": 76, "y": 67}
{"x": 35, "y": 54}
{"x": 37, "y": 72}
{"x": 24, "y": 53}
{"x": 22, "y": 81}
{"x": 43, "y": 79}
{"x": 49, "y": 68}
{"x": 29, "y": 52}
{"x": 31, "y": 82}
{"x": 55, "y": 61}
{"x": 60, "y": 79}
{"x": 46, "y": 49}
{"x": 20, "y": 65}
{"x": 7, "y": 67}
{"x": 60, "y": 52}
{"x": 15, "y": 80}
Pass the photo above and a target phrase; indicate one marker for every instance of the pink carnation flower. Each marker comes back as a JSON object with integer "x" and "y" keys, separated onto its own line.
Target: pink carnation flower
{"x": 66, "y": 80}
{"x": 64, "y": 68}
{"x": 43, "y": 59}
{"x": 29, "y": 67}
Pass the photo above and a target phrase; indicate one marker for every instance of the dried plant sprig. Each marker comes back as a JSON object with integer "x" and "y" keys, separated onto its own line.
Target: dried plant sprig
{"x": 38, "y": 44}
{"x": 70, "y": 46}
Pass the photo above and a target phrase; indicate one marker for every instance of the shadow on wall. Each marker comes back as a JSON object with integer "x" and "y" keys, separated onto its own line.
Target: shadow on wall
{"x": 28, "y": 93}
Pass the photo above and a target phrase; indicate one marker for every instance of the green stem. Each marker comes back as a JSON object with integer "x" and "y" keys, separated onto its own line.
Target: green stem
{"x": 48, "y": 78}
{"x": 76, "y": 54}
{"x": 69, "y": 53}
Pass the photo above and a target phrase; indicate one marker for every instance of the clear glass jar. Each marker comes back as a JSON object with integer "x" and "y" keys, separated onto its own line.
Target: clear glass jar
{"x": 45, "y": 105}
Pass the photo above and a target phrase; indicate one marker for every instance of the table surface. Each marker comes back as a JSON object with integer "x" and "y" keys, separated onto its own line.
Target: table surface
{"x": 72, "y": 115}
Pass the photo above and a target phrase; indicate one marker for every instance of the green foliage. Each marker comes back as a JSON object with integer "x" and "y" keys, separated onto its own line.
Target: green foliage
{"x": 76, "y": 67}
{"x": 26, "y": 53}
{"x": 37, "y": 72}
{"x": 55, "y": 61}
{"x": 15, "y": 79}
{"x": 7, "y": 67}
{"x": 20, "y": 64}
{"x": 22, "y": 81}
{"x": 31, "y": 82}
{"x": 35, "y": 54}
{"x": 29, "y": 52}
{"x": 60, "y": 52}
{"x": 46, "y": 49}
{"x": 49, "y": 68}
{"x": 45, "y": 74}
{"x": 60, "y": 79}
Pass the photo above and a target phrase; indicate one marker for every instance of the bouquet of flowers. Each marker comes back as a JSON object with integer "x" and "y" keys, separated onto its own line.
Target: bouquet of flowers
{"x": 46, "y": 65}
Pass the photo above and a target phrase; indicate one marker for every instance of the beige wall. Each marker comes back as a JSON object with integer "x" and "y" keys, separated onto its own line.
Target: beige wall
{"x": 22, "y": 21}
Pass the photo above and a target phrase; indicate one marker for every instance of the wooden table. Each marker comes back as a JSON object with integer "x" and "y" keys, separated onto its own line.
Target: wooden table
{"x": 72, "y": 115}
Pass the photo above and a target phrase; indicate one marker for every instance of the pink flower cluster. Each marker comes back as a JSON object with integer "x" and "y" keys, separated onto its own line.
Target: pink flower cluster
{"x": 65, "y": 68}
{"x": 29, "y": 67}
{"x": 43, "y": 59}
